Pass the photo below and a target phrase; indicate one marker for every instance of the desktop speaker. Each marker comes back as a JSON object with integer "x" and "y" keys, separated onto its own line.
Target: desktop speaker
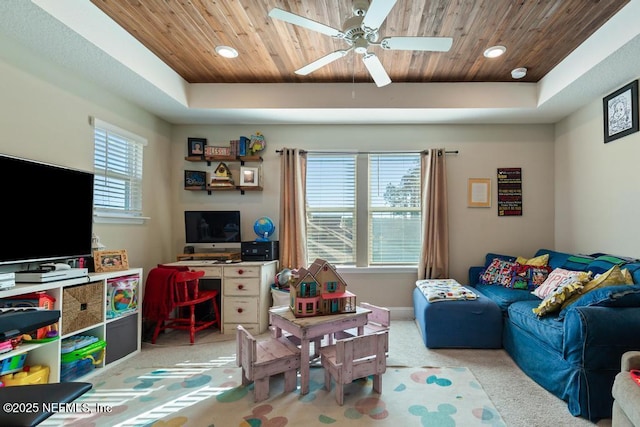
{"x": 259, "y": 251}
{"x": 189, "y": 250}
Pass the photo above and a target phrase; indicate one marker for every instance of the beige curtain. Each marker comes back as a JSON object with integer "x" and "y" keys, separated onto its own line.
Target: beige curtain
{"x": 434, "y": 257}
{"x": 293, "y": 215}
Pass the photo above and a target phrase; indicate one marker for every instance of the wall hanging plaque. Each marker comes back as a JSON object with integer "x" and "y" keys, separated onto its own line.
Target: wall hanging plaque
{"x": 509, "y": 192}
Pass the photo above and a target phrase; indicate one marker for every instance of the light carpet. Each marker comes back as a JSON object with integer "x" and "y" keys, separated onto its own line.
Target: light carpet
{"x": 204, "y": 396}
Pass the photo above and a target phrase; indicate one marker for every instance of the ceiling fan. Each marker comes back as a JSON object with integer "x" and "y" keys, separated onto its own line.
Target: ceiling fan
{"x": 361, "y": 31}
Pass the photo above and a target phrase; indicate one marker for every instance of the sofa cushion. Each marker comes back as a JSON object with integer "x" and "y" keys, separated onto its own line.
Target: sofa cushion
{"x": 553, "y": 301}
{"x": 504, "y": 297}
{"x": 546, "y": 329}
{"x": 498, "y": 272}
{"x": 559, "y": 277}
{"x": 634, "y": 269}
{"x": 610, "y": 296}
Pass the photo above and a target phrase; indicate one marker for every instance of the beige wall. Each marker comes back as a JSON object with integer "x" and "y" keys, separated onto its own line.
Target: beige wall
{"x": 597, "y": 194}
{"x": 473, "y": 231}
{"x": 44, "y": 116}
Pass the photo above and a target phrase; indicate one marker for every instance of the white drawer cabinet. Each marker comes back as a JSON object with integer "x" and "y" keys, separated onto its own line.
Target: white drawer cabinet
{"x": 246, "y": 291}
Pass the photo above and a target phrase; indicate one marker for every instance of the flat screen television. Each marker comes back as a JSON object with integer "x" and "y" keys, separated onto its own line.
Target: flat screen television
{"x": 213, "y": 230}
{"x": 47, "y": 208}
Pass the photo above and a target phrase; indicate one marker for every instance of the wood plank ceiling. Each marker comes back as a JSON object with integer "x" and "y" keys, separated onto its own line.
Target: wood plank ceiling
{"x": 538, "y": 34}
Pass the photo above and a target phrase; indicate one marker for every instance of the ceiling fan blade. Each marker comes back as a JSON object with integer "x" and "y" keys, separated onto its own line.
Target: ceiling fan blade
{"x": 301, "y": 21}
{"x": 377, "y": 71}
{"x": 377, "y": 13}
{"x": 436, "y": 44}
{"x": 319, "y": 63}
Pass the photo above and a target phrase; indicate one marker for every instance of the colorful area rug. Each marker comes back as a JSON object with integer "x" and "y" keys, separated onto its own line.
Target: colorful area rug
{"x": 214, "y": 397}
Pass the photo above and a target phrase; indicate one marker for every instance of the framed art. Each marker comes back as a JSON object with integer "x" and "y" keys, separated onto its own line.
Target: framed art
{"x": 195, "y": 147}
{"x": 248, "y": 177}
{"x": 110, "y": 261}
{"x": 479, "y": 193}
{"x": 621, "y": 112}
{"x": 195, "y": 180}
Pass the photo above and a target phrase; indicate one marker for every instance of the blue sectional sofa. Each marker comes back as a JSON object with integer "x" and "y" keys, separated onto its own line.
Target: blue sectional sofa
{"x": 573, "y": 353}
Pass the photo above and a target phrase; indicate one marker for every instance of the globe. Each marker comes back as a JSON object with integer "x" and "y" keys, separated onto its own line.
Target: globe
{"x": 264, "y": 228}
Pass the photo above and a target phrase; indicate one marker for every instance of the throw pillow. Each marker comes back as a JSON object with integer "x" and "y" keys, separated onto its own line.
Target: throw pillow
{"x": 554, "y": 300}
{"x": 604, "y": 263}
{"x": 498, "y": 272}
{"x": 557, "y": 277}
{"x": 539, "y": 261}
{"x": 528, "y": 277}
{"x": 628, "y": 278}
{"x": 611, "y": 277}
{"x": 610, "y": 296}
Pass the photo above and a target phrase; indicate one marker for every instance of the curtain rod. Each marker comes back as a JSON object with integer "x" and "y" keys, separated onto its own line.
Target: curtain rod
{"x": 367, "y": 152}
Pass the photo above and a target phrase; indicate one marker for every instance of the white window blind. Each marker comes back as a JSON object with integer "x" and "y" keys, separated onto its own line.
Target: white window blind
{"x": 117, "y": 190}
{"x": 331, "y": 208}
{"x": 394, "y": 209}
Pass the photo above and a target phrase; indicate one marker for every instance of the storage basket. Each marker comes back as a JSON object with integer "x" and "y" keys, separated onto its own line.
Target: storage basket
{"x": 82, "y": 306}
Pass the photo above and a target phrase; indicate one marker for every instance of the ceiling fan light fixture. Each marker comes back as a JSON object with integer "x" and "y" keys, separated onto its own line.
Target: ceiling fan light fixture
{"x": 226, "y": 51}
{"x": 518, "y": 73}
{"x": 494, "y": 51}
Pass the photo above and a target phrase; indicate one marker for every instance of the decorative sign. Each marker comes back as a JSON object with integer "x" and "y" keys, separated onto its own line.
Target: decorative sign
{"x": 509, "y": 192}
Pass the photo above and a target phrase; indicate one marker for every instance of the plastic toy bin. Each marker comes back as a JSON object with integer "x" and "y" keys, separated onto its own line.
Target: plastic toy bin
{"x": 80, "y": 356}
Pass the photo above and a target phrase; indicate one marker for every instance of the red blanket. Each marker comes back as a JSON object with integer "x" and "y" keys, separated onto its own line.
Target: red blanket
{"x": 159, "y": 293}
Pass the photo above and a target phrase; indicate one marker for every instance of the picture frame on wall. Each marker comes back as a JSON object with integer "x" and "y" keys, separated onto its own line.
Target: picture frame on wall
{"x": 479, "y": 192}
{"x": 249, "y": 177}
{"x": 195, "y": 147}
{"x": 195, "y": 180}
{"x": 105, "y": 261}
{"x": 621, "y": 112}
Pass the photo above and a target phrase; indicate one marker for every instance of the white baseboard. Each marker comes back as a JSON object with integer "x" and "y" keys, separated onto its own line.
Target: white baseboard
{"x": 401, "y": 313}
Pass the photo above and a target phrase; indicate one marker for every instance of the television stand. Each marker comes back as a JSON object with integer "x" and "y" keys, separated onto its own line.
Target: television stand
{"x": 218, "y": 256}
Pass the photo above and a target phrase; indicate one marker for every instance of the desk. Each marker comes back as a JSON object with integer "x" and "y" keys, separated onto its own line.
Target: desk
{"x": 246, "y": 291}
{"x": 308, "y": 329}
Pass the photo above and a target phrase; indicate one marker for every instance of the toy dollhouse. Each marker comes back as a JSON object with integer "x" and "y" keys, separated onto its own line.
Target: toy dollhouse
{"x": 319, "y": 290}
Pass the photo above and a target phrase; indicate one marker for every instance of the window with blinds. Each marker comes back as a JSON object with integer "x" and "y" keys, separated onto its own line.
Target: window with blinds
{"x": 331, "y": 208}
{"x": 377, "y": 194}
{"x": 394, "y": 209}
{"x": 117, "y": 189}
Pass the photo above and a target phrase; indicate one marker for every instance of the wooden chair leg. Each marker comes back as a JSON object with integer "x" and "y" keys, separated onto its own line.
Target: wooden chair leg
{"x": 327, "y": 379}
{"x": 260, "y": 389}
{"x": 290, "y": 380}
{"x": 156, "y": 331}
{"x": 192, "y": 323}
{"x": 377, "y": 383}
{"x": 339, "y": 393}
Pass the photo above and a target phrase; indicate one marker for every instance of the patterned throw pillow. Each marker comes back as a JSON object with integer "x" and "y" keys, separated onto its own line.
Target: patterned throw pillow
{"x": 554, "y": 300}
{"x": 498, "y": 273}
{"x": 558, "y": 277}
{"x": 528, "y": 276}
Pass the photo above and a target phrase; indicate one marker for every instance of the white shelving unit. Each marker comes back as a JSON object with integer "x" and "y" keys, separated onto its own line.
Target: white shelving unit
{"x": 126, "y": 327}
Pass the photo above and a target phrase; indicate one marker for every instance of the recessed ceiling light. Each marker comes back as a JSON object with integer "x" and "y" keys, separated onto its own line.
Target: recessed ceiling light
{"x": 226, "y": 51}
{"x": 494, "y": 51}
{"x": 518, "y": 73}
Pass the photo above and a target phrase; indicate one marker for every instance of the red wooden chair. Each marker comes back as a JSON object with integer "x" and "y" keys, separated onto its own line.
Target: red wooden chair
{"x": 186, "y": 297}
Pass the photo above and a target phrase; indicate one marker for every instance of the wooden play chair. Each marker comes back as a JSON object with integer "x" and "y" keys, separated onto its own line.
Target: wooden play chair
{"x": 353, "y": 358}
{"x": 186, "y": 296}
{"x": 260, "y": 360}
{"x": 377, "y": 321}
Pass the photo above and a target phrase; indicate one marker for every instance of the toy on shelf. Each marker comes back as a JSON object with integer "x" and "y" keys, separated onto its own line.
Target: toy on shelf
{"x": 122, "y": 295}
{"x": 35, "y": 299}
{"x": 36, "y": 374}
{"x": 320, "y": 290}
{"x": 257, "y": 143}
